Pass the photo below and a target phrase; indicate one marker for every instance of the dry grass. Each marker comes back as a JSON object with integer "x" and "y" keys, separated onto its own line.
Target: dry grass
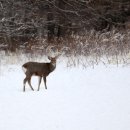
{"x": 90, "y": 49}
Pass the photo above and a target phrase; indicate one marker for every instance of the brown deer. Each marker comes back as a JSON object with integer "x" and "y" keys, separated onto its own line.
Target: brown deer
{"x": 38, "y": 69}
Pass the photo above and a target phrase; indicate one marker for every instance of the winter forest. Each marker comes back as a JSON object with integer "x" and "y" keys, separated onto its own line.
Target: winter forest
{"x": 76, "y": 58}
{"x": 69, "y": 25}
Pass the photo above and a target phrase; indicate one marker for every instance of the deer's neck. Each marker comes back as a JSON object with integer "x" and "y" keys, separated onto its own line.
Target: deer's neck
{"x": 52, "y": 66}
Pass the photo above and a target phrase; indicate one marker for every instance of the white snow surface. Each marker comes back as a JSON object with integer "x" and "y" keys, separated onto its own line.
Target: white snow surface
{"x": 76, "y": 99}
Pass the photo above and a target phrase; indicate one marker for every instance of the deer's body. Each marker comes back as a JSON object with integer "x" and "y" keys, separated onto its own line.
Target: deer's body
{"x": 38, "y": 69}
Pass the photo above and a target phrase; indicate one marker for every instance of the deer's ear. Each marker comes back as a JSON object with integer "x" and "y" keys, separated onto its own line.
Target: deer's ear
{"x": 49, "y": 57}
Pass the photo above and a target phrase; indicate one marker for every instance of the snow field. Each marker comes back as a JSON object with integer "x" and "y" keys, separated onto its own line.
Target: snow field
{"x": 76, "y": 99}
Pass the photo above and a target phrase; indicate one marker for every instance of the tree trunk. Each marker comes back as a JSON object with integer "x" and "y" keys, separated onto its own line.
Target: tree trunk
{"x": 51, "y": 26}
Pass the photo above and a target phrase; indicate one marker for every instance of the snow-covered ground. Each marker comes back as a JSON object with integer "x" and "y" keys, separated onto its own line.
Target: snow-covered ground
{"x": 76, "y": 99}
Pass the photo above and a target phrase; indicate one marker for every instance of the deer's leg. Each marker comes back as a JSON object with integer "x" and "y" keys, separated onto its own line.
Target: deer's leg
{"x": 29, "y": 82}
{"x": 24, "y": 82}
{"x": 39, "y": 83}
{"x": 44, "y": 78}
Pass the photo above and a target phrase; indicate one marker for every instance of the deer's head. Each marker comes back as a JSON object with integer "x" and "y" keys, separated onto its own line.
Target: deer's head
{"x": 53, "y": 59}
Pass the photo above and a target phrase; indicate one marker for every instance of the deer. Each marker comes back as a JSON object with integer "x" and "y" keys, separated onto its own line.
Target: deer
{"x": 42, "y": 70}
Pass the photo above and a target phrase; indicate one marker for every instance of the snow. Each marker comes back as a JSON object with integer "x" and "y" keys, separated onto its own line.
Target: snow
{"x": 76, "y": 99}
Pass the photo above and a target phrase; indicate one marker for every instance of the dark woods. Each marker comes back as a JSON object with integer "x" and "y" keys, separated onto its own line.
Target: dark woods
{"x": 24, "y": 23}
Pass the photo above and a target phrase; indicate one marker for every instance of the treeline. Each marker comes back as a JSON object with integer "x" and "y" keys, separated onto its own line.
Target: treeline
{"x": 28, "y": 20}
